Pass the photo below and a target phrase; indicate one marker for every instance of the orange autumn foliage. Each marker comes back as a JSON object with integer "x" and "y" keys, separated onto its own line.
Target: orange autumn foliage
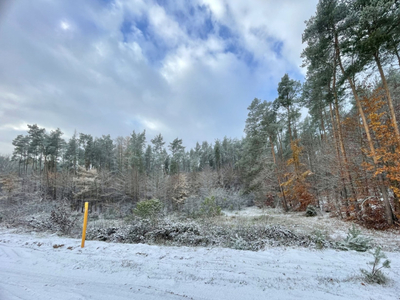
{"x": 296, "y": 188}
{"x": 387, "y": 148}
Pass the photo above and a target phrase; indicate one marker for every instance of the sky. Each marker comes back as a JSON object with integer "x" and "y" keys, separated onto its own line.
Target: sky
{"x": 185, "y": 69}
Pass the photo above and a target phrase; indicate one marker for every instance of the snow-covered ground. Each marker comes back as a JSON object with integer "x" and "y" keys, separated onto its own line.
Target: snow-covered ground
{"x": 35, "y": 266}
{"x": 333, "y": 227}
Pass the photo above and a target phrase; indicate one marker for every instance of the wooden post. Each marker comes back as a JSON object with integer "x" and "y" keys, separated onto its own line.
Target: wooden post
{"x": 84, "y": 224}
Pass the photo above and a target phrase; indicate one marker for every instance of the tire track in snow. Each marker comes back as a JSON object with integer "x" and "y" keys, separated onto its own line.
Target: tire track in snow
{"x": 9, "y": 253}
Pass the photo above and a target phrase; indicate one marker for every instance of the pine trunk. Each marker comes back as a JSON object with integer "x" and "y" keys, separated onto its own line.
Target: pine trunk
{"x": 388, "y": 97}
{"x": 388, "y": 209}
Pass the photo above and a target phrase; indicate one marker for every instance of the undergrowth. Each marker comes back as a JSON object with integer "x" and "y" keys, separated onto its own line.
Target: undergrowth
{"x": 208, "y": 233}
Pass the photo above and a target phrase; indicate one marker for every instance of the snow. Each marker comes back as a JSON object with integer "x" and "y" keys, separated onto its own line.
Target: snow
{"x": 334, "y": 228}
{"x": 39, "y": 266}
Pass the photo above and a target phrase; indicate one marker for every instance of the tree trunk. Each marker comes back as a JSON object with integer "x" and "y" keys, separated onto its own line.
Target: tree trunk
{"x": 289, "y": 125}
{"x": 388, "y": 97}
{"x": 284, "y": 203}
{"x": 388, "y": 209}
{"x": 342, "y": 176}
{"x": 341, "y": 143}
{"x": 322, "y": 125}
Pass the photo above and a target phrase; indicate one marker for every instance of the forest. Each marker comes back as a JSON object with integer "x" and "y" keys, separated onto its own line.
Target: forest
{"x": 343, "y": 157}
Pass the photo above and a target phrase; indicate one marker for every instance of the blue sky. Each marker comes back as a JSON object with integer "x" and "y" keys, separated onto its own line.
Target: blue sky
{"x": 186, "y": 69}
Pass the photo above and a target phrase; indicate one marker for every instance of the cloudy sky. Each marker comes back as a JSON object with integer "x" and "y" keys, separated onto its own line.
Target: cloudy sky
{"x": 186, "y": 69}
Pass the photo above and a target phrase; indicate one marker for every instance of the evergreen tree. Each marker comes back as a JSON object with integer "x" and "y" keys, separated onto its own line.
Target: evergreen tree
{"x": 36, "y": 136}
{"x": 20, "y": 153}
{"x": 72, "y": 153}
{"x": 177, "y": 155}
{"x": 288, "y": 93}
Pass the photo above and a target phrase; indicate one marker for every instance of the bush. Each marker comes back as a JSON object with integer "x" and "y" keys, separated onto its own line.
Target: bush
{"x": 239, "y": 243}
{"x": 320, "y": 239}
{"x": 148, "y": 209}
{"x": 373, "y": 214}
{"x": 191, "y": 207}
{"x": 61, "y": 220}
{"x": 195, "y": 207}
{"x": 184, "y": 233}
{"x": 376, "y": 275}
{"x": 311, "y": 211}
{"x": 209, "y": 208}
{"x": 355, "y": 241}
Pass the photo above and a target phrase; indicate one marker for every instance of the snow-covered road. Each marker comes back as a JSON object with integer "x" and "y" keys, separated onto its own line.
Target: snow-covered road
{"x": 39, "y": 267}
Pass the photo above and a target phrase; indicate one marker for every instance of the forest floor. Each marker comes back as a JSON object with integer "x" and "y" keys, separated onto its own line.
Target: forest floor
{"x": 333, "y": 228}
{"x": 43, "y": 265}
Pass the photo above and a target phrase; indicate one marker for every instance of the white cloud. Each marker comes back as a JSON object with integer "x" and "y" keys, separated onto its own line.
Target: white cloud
{"x": 218, "y": 7}
{"x": 86, "y": 75}
{"x": 17, "y": 127}
{"x": 165, "y": 27}
{"x": 261, "y": 24}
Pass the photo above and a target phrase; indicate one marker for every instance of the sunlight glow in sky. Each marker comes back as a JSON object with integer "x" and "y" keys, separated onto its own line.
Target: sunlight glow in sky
{"x": 64, "y": 25}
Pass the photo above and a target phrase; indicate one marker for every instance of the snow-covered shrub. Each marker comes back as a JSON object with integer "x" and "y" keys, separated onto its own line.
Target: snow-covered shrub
{"x": 136, "y": 233}
{"x": 239, "y": 243}
{"x": 355, "y": 241}
{"x": 311, "y": 211}
{"x": 320, "y": 239}
{"x": 376, "y": 275}
{"x": 178, "y": 233}
{"x": 61, "y": 220}
{"x": 191, "y": 233}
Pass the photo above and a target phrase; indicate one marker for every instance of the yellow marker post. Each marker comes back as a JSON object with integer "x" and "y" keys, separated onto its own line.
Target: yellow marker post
{"x": 84, "y": 224}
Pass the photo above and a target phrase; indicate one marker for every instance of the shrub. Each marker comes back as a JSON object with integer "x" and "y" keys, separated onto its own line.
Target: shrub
{"x": 61, "y": 220}
{"x": 192, "y": 205}
{"x": 311, "y": 211}
{"x": 190, "y": 233}
{"x": 148, "y": 209}
{"x": 372, "y": 213}
{"x": 320, "y": 239}
{"x": 209, "y": 208}
{"x": 355, "y": 241}
{"x": 195, "y": 207}
{"x": 376, "y": 275}
{"x": 239, "y": 243}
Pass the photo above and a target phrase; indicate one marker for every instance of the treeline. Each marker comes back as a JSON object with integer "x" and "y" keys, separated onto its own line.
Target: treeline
{"x": 40, "y": 152}
{"x": 344, "y": 157}
{"x": 127, "y": 168}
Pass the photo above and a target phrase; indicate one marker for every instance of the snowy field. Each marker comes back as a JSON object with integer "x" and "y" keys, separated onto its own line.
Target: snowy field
{"x": 38, "y": 266}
